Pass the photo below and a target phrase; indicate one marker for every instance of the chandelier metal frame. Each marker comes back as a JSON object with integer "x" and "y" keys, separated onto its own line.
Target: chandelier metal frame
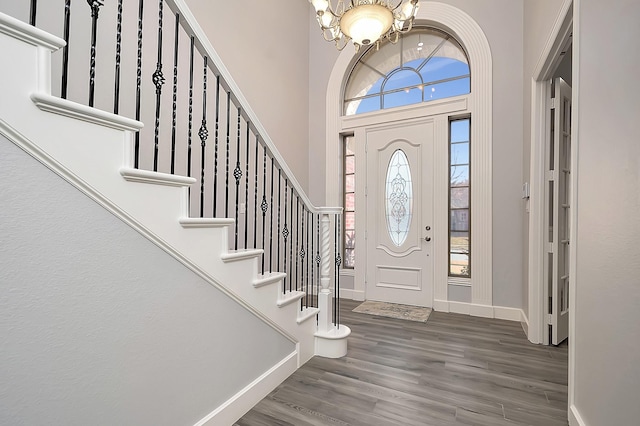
{"x": 349, "y": 20}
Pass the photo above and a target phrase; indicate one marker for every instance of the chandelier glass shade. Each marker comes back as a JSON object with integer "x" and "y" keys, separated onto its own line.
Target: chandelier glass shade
{"x": 364, "y": 22}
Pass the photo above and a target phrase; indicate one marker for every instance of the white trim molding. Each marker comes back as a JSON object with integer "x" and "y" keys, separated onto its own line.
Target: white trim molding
{"x": 348, "y": 293}
{"x": 573, "y": 231}
{"x": 234, "y": 408}
{"x": 575, "y": 419}
{"x": 479, "y": 105}
{"x": 476, "y": 310}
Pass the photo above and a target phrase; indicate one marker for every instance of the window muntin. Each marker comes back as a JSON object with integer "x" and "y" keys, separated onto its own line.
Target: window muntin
{"x": 459, "y": 198}
{"x": 349, "y": 191}
{"x": 426, "y": 64}
{"x": 398, "y": 197}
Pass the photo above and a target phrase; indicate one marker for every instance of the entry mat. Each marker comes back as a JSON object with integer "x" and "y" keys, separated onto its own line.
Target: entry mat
{"x": 394, "y": 310}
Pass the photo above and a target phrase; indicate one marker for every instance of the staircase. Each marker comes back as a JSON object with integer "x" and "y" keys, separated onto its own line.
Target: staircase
{"x": 96, "y": 151}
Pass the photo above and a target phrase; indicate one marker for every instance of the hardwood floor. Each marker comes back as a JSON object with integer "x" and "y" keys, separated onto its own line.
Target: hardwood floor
{"x": 453, "y": 370}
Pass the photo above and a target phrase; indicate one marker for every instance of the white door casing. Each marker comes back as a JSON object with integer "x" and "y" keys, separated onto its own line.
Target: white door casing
{"x": 399, "y": 270}
{"x": 560, "y": 38}
{"x": 479, "y": 105}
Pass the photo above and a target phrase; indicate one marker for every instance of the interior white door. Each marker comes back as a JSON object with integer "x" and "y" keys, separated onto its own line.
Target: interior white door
{"x": 399, "y": 213}
{"x": 559, "y": 198}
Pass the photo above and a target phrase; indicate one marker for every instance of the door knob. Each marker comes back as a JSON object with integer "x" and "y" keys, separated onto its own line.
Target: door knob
{"x": 427, "y": 239}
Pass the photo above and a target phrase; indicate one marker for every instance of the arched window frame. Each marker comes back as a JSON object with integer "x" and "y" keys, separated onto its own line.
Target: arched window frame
{"x": 480, "y": 107}
{"x": 413, "y": 60}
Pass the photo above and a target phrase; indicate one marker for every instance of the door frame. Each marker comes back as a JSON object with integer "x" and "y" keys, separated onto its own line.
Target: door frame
{"x": 540, "y": 128}
{"x": 480, "y": 106}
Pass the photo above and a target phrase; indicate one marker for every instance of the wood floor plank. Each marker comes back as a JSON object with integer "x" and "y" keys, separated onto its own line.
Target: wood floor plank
{"x": 452, "y": 370}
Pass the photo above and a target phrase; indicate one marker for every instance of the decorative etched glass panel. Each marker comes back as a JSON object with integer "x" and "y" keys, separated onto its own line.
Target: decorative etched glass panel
{"x": 399, "y": 197}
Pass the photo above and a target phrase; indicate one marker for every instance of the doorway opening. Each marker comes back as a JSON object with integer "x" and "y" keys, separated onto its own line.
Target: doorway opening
{"x": 551, "y": 191}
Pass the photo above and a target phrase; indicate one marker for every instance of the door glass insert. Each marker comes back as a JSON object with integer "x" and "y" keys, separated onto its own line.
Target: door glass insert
{"x": 398, "y": 197}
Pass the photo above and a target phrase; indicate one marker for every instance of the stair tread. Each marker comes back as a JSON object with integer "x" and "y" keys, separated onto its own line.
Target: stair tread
{"x": 307, "y": 313}
{"x": 233, "y": 255}
{"x": 290, "y": 297}
{"x": 268, "y": 278}
{"x": 146, "y": 176}
{"x": 205, "y": 222}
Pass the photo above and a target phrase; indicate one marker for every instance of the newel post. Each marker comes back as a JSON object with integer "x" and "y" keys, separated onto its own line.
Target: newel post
{"x": 325, "y": 296}
{"x": 331, "y": 339}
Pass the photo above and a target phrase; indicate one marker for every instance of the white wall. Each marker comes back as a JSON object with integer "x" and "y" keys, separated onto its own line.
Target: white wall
{"x": 264, "y": 45}
{"x": 607, "y": 298}
{"x": 100, "y": 326}
{"x": 501, "y": 21}
{"x": 323, "y": 56}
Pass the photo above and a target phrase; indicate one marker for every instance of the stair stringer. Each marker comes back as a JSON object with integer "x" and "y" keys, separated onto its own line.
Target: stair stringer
{"x": 68, "y": 139}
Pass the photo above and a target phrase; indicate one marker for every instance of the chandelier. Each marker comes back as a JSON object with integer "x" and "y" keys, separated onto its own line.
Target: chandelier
{"x": 364, "y": 21}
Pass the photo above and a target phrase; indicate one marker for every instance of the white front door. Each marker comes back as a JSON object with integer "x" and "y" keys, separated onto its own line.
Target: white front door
{"x": 399, "y": 212}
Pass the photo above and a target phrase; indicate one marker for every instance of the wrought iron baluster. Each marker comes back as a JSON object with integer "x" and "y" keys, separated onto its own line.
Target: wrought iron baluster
{"x": 306, "y": 249}
{"x": 336, "y": 287}
{"x": 302, "y": 253}
{"x": 279, "y": 204}
{"x": 318, "y": 257}
{"x": 285, "y": 235}
{"x": 95, "y": 11}
{"x": 226, "y": 181}
{"x": 255, "y": 197}
{"x": 65, "y": 49}
{"x": 311, "y": 265}
{"x": 263, "y": 205}
{"x": 190, "y": 128}
{"x": 32, "y": 12}
{"x": 174, "y": 114}
{"x": 203, "y": 133}
{"x": 237, "y": 173}
{"x": 116, "y": 89}
{"x": 158, "y": 81}
{"x": 215, "y": 150}
{"x": 291, "y": 245}
{"x": 271, "y": 223}
{"x": 246, "y": 191}
{"x": 297, "y": 239}
{"x": 136, "y": 153}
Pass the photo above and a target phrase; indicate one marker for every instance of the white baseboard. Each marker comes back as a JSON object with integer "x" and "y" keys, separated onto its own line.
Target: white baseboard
{"x": 476, "y": 310}
{"x": 510, "y": 314}
{"x": 348, "y": 293}
{"x": 524, "y": 322}
{"x": 229, "y": 412}
{"x": 459, "y": 308}
{"x": 441, "y": 305}
{"x": 574, "y": 417}
{"x": 485, "y": 311}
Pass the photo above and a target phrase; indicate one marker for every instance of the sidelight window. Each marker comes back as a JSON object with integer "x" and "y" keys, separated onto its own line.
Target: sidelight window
{"x": 349, "y": 202}
{"x": 459, "y": 198}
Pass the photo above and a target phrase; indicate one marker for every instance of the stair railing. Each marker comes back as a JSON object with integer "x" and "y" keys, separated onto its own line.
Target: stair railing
{"x": 150, "y": 60}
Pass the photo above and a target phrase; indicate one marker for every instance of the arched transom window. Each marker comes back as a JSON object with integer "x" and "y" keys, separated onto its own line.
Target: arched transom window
{"x": 425, "y": 65}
